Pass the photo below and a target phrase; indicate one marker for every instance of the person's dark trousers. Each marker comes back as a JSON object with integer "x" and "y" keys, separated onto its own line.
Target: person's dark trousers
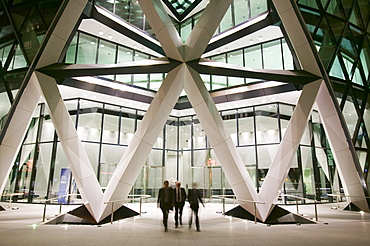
{"x": 165, "y": 212}
{"x": 178, "y": 212}
{"x": 195, "y": 209}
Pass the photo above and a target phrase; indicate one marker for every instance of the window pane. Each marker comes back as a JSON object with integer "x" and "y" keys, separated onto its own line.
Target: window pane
{"x": 253, "y": 57}
{"x": 107, "y": 52}
{"x": 87, "y": 47}
{"x": 272, "y": 58}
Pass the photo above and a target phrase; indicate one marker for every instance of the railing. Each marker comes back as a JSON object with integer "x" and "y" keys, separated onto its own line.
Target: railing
{"x": 344, "y": 195}
{"x": 54, "y": 198}
{"x": 302, "y": 198}
{"x": 11, "y": 197}
{"x": 224, "y": 197}
{"x": 141, "y": 197}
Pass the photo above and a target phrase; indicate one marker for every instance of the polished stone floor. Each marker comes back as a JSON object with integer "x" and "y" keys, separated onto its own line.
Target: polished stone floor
{"x": 21, "y": 224}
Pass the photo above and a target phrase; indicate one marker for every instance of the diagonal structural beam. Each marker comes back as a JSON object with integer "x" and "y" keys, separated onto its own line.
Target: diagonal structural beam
{"x": 16, "y": 131}
{"x": 61, "y": 70}
{"x": 163, "y": 28}
{"x": 343, "y": 150}
{"x": 138, "y": 150}
{"x": 27, "y": 98}
{"x": 206, "y": 66}
{"x": 220, "y": 139}
{"x": 280, "y": 165}
{"x": 73, "y": 149}
{"x": 206, "y": 26}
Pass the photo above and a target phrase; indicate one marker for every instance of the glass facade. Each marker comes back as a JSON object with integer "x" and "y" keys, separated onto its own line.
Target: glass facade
{"x": 182, "y": 151}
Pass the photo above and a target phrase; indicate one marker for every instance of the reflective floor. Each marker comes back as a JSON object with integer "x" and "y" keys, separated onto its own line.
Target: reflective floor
{"x": 21, "y": 225}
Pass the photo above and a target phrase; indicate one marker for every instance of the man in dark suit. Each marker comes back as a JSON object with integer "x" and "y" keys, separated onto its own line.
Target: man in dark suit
{"x": 194, "y": 197}
{"x": 180, "y": 198}
{"x": 165, "y": 202}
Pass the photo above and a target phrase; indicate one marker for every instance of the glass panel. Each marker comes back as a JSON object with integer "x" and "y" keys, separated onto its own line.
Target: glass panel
{"x": 241, "y": 11}
{"x": 267, "y": 124}
{"x": 229, "y": 119}
{"x": 286, "y": 112}
{"x": 218, "y": 82}
{"x": 200, "y": 158}
{"x": 18, "y": 60}
{"x": 186, "y": 28}
{"x": 272, "y": 50}
{"x": 89, "y": 122}
{"x": 111, "y": 123}
{"x": 136, "y": 15}
{"x": 71, "y": 52}
{"x": 287, "y": 55}
{"x": 141, "y": 80}
{"x": 171, "y": 133}
{"x": 87, "y": 49}
{"x": 185, "y": 132}
{"x": 207, "y": 80}
{"x": 232, "y": 81}
{"x": 258, "y": 7}
{"x": 140, "y": 56}
{"x": 156, "y": 80}
{"x": 107, "y": 52}
{"x": 350, "y": 116}
{"x": 199, "y": 138}
{"x": 4, "y": 108}
{"x": 124, "y": 55}
{"x": 128, "y": 118}
{"x": 253, "y": 57}
{"x": 155, "y": 158}
{"x": 235, "y": 58}
{"x": 336, "y": 69}
{"x": 246, "y": 126}
{"x": 227, "y": 21}
{"x": 43, "y": 169}
{"x": 110, "y": 157}
{"x": 48, "y": 130}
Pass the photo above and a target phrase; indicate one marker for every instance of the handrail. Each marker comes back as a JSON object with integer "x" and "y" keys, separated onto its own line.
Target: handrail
{"x": 303, "y": 198}
{"x": 223, "y": 197}
{"x": 341, "y": 194}
{"x": 141, "y": 197}
{"x": 51, "y": 199}
{"x": 11, "y": 196}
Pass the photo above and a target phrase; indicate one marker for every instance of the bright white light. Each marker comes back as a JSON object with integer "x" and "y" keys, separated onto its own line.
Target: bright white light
{"x": 101, "y": 32}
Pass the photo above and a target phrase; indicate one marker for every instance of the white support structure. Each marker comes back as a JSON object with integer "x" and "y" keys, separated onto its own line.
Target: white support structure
{"x": 340, "y": 143}
{"x": 138, "y": 150}
{"x": 73, "y": 149}
{"x": 281, "y": 163}
{"x": 28, "y": 99}
{"x": 220, "y": 139}
{"x": 341, "y": 149}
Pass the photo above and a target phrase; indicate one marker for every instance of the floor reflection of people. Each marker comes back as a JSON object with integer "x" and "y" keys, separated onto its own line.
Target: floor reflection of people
{"x": 165, "y": 202}
{"x": 180, "y": 198}
{"x": 194, "y": 197}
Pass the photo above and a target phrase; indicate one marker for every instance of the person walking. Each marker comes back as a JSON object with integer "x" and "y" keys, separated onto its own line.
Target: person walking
{"x": 165, "y": 202}
{"x": 194, "y": 198}
{"x": 180, "y": 198}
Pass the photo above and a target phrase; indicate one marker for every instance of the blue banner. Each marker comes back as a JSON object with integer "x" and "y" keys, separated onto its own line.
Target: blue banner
{"x": 65, "y": 173}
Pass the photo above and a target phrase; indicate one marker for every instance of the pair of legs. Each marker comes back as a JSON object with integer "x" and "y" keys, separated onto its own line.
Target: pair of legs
{"x": 178, "y": 212}
{"x": 165, "y": 210}
{"x": 194, "y": 209}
